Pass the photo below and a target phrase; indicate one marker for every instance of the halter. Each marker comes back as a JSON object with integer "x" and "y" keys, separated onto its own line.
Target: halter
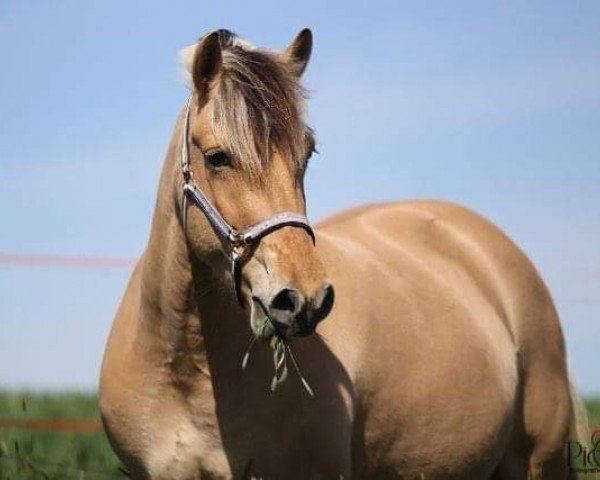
{"x": 238, "y": 242}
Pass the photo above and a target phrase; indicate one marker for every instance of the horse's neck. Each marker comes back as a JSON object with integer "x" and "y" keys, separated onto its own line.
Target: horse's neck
{"x": 166, "y": 272}
{"x": 185, "y": 306}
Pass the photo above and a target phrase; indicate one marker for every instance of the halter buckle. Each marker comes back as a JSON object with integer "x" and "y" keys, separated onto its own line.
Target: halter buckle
{"x": 239, "y": 246}
{"x": 188, "y": 175}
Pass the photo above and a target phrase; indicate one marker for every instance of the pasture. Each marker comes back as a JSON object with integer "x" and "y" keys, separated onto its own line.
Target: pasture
{"x": 47, "y": 454}
{"x": 63, "y": 454}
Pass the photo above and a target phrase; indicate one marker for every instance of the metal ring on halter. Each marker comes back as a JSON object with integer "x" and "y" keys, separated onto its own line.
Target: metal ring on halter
{"x": 233, "y": 238}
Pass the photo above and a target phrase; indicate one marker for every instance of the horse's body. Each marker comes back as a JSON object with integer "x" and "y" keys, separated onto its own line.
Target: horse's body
{"x": 442, "y": 358}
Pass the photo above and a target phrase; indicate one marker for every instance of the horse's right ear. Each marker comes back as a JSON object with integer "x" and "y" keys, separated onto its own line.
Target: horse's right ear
{"x": 298, "y": 53}
{"x": 207, "y": 62}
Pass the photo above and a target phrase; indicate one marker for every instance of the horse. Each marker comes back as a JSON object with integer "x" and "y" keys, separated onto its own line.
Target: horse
{"x": 393, "y": 340}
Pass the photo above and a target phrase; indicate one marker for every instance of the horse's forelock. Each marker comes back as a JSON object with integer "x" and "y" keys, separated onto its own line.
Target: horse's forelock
{"x": 257, "y": 104}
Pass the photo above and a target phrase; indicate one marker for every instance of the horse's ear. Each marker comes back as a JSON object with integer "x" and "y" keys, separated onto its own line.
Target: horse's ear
{"x": 298, "y": 53}
{"x": 207, "y": 62}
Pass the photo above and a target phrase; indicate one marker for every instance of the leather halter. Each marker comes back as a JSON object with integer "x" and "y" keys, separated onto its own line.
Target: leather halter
{"x": 237, "y": 242}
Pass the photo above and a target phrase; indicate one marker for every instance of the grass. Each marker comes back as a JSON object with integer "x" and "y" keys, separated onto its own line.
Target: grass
{"x": 593, "y": 407}
{"x": 36, "y": 455}
{"x": 53, "y": 455}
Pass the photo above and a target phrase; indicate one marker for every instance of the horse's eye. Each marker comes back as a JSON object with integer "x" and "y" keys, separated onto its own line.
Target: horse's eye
{"x": 217, "y": 160}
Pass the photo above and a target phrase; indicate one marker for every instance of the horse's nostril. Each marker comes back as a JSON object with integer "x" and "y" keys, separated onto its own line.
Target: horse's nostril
{"x": 285, "y": 305}
{"x": 287, "y": 299}
{"x": 324, "y": 303}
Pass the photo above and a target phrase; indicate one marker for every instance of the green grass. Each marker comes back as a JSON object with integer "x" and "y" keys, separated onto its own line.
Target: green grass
{"x": 593, "y": 406}
{"x": 36, "y": 455}
{"x": 53, "y": 455}
{"x": 48, "y": 405}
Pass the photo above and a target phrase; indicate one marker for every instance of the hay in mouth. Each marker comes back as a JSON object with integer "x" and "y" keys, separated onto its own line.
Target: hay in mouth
{"x": 263, "y": 328}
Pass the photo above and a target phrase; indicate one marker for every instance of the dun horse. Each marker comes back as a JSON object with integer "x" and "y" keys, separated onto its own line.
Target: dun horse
{"x": 441, "y": 355}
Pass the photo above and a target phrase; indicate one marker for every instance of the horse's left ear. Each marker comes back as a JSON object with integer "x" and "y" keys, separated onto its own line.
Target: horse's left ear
{"x": 298, "y": 53}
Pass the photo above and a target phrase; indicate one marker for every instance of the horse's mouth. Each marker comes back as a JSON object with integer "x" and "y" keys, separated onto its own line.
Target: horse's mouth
{"x": 263, "y": 327}
{"x": 260, "y": 323}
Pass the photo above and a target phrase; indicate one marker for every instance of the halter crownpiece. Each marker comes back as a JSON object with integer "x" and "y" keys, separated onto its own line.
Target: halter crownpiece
{"x": 239, "y": 242}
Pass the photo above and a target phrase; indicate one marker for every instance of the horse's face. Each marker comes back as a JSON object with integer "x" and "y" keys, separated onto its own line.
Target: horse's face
{"x": 284, "y": 281}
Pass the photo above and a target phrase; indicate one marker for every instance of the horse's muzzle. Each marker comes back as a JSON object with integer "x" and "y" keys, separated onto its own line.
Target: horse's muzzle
{"x": 291, "y": 314}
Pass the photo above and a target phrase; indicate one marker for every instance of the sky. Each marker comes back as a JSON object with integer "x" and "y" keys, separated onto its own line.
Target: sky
{"x": 494, "y": 106}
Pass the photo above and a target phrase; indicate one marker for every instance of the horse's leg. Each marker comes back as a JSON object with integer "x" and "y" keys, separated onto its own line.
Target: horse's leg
{"x": 547, "y": 409}
{"x": 537, "y": 446}
{"x": 547, "y": 415}
{"x": 544, "y": 411}
{"x": 547, "y": 462}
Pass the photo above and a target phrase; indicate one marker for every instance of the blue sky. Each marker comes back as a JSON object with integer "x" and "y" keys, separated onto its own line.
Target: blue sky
{"x": 493, "y": 106}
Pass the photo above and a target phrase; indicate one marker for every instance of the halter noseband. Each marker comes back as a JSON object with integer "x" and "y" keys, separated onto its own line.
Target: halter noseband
{"x": 239, "y": 242}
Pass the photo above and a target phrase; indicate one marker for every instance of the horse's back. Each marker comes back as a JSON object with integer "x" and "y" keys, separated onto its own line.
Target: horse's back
{"x": 453, "y": 321}
{"x": 453, "y": 248}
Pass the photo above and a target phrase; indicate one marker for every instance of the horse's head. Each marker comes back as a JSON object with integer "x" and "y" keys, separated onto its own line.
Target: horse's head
{"x": 249, "y": 149}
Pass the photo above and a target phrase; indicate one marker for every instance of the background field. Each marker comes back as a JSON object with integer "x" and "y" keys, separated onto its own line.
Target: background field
{"x": 31, "y": 454}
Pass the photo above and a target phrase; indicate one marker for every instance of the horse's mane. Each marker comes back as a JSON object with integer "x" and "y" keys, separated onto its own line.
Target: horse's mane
{"x": 258, "y": 104}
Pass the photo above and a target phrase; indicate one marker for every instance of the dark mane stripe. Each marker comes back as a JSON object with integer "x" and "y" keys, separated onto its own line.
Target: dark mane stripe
{"x": 226, "y": 37}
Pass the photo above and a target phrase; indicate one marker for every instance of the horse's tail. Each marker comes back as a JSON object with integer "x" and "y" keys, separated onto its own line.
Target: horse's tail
{"x": 579, "y": 430}
{"x": 579, "y": 435}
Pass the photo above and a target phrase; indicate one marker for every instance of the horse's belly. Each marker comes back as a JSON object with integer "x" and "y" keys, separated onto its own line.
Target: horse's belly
{"x": 439, "y": 400}
{"x": 439, "y": 436}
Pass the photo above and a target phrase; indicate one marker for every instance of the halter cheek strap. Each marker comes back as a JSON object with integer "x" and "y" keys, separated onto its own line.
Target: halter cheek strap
{"x": 237, "y": 242}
